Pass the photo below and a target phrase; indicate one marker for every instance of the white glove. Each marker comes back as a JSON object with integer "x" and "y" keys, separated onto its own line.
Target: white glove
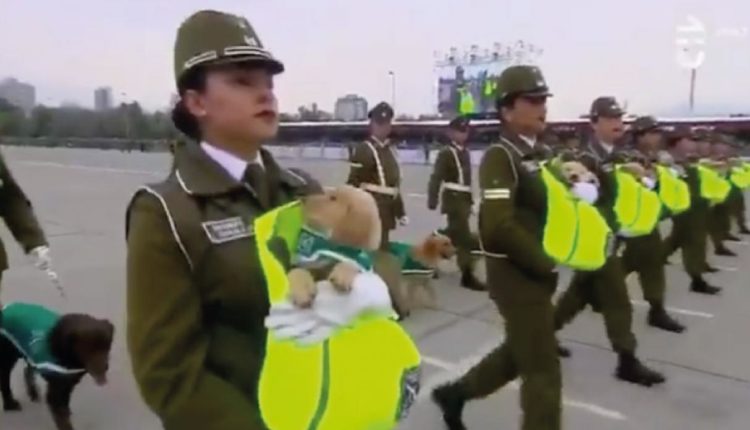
{"x": 403, "y": 221}
{"x": 42, "y": 258}
{"x": 626, "y": 234}
{"x": 330, "y": 310}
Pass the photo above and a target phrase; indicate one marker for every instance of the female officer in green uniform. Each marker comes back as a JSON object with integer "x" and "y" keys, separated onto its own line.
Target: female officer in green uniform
{"x": 201, "y": 276}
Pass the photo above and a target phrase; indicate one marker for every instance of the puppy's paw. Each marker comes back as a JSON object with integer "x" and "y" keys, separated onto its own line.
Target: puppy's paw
{"x": 12, "y": 406}
{"x": 342, "y": 276}
{"x": 302, "y": 288}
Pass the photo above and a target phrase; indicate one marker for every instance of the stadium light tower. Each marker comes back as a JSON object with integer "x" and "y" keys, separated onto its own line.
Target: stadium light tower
{"x": 690, "y": 41}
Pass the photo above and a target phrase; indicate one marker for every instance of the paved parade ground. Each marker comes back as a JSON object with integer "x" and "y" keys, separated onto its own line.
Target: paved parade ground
{"x": 80, "y": 197}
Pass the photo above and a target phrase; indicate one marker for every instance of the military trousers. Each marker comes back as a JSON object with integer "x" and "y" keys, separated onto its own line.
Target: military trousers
{"x": 605, "y": 290}
{"x": 689, "y": 235}
{"x": 737, "y": 208}
{"x": 644, "y": 255}
{"x": 719, "y": 224}
{"x": 529, "y": 350}
{"x": 460, "y": 234}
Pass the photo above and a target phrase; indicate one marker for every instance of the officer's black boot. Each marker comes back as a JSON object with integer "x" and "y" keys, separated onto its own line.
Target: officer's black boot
{"x": 699, "y": 285}
{"x": 723, "y": 251}
{"x": 744, "y": 230}
{"x": 631, "y": 369}
{"x": 451, "y": 401}
{"x": 659, "y": 318}
{"x": 710, "y": 269}
{"x": 470, "y": 282}
{"x": 733, "y": 238}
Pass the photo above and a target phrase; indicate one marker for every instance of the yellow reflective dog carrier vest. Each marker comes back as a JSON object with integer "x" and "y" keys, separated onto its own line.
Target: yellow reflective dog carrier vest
{"x": 364, "y": 377}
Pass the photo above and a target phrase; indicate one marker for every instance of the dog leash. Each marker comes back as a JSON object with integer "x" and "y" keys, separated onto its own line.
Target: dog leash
{"x": 55, "y": 279}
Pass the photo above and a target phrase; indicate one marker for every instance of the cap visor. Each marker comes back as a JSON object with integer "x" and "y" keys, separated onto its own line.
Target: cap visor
{"x": 274, "y": 66}
{"x": 537, "y": 93}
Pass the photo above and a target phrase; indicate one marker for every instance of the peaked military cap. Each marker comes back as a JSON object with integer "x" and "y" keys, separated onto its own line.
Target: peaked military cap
{"x": 644, "y": 124}
{"x": 382, "y": 112}
{"x": 460, "y": 123}
{"x": 522, "y": 80}
{"x": 606, "y": 107}
{"x": 212, "y": 37}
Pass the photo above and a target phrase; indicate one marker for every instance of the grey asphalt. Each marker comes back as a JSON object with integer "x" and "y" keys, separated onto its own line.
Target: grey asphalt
{"x": 81, "y": 195}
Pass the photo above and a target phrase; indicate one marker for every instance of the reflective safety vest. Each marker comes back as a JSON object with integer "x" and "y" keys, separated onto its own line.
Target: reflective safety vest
{"x": 466, "y": 101}
{"x": 714, "y": 187}
{"x": 740, "y": 176}
{"x": 575, "y": 233}
{"x": 637, "y": 208}
{"x": 364, "y": 377}
{"x": 673, "y": 191}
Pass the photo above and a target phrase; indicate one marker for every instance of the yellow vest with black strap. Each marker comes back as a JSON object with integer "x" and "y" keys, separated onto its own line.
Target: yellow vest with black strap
{"x": 575, "y": 233}
{"x": 673, "y": 191}
{"x": 637, "y": 208}
{"x": 363, "y": 377}
{"x": 714, "y": 187}
{"x": 739, "y": 176}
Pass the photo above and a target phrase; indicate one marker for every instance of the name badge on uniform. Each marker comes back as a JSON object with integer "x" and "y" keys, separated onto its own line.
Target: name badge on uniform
{"x": 226, "y": 230}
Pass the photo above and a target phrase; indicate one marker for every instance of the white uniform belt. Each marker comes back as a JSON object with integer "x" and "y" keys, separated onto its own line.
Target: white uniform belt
{"x": 456, "y": 187}
{"x": 380, "y": 189}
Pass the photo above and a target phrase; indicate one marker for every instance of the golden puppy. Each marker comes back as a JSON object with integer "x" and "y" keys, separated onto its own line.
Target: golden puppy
{"x": 418, "y": 270}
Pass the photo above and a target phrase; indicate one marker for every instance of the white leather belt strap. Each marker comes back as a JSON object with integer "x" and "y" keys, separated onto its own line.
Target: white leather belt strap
{"x": 456, "y": 187}
{"x": 379, "y": 189}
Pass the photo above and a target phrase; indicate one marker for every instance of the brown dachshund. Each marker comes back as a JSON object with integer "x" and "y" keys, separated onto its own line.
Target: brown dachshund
{"x": 77, "y": 344}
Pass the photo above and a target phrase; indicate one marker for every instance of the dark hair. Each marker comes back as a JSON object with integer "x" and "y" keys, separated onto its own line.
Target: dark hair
{"x": 194, "y": 79}
{"x": 506, "y": 102}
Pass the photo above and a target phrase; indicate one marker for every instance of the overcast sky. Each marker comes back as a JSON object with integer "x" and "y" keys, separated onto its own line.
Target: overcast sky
{"x": 66, "y": 48}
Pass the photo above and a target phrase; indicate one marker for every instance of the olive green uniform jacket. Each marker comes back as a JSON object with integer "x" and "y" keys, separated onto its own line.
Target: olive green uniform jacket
{"x": 196, "y": 293}
{"x": 376, "y": 163}
{"x": 18, "y": 214}
{"x": 451, "y": 172}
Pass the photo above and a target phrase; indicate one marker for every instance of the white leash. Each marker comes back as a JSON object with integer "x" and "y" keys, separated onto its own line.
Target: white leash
{"x": 55, "y": 279}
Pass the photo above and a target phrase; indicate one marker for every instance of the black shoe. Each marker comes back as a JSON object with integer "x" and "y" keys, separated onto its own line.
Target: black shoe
{"x": 470, "y": 282}
{"x": 563, "y": 351}
{"x": 725, "y": 252}
{"x": 701, "y": 286}
{"x": 659, "y": 318}
{"x": 631, "y": 369}
{"x": 744, "y": 230}
{"x": 451, "y": 404}
{"x": 732, "y": 238}
{"x": 711, "y": 269}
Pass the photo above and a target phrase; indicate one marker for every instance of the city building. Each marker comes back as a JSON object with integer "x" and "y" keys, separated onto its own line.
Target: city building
{"x": 350, "y": 108}
{"x": 103, "y": 98}
{"x": 18, "y": 94}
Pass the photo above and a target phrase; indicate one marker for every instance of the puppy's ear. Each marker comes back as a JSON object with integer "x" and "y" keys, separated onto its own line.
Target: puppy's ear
{"x": 109, "y": 329}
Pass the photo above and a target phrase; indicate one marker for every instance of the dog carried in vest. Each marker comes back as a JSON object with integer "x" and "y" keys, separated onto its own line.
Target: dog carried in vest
{"x": 60, "y": 348}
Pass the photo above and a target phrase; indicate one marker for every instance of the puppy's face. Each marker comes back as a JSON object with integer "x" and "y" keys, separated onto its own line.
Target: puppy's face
{"x": 575, "y": 171}
{"x": 434, "y": 249}
{"x": 90, "y": 341}
{"x": 349, "y": 214}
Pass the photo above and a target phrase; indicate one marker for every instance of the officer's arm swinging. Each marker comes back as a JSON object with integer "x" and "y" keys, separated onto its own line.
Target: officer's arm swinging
{"x": 358, "y": 163}
{"x": 18, "y": 213}
{"x": 166, "y": 339}
{"x": 500, "y": 233}
{"x": 436, "y": 179}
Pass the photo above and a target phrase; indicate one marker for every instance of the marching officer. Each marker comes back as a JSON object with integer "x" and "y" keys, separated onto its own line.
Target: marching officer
{"x": 720, "y": 224}
{"x": 605, "y": 289}
{"x": 452, "y": 174}
{"x": 521, "y": 276}
{"x": 374, "y": 168}
{"x": 22, "y": 222}
{"x": 689, "y": 229}
{"x": 737, "y": 195}
{"x": 643, "y": 254}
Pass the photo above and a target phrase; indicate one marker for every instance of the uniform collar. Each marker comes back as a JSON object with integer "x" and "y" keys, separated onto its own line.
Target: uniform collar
{"x": 380, "y": 143}
{"x": 516, "y": 142}
{"x": 233, "y": 164}
{"x": 199, "y": 174}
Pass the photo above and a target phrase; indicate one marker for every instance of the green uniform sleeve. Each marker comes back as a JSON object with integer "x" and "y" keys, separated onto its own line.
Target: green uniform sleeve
{"x": 358, "y": 163}
{"x": 498, "y": 228}
{"x": 439, "y": 173}
{"x": 17, "y": 212}
{"x": 166, "y": 339}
